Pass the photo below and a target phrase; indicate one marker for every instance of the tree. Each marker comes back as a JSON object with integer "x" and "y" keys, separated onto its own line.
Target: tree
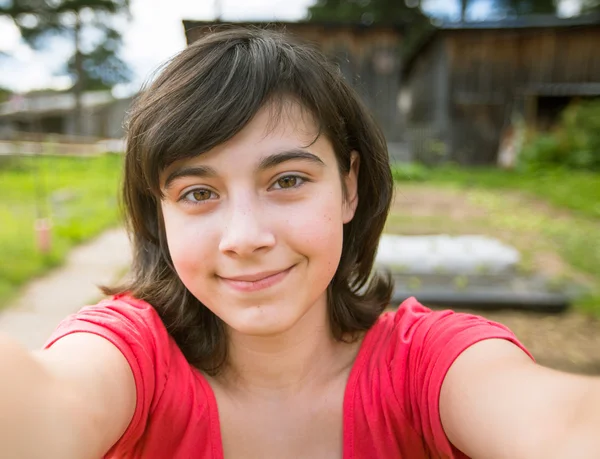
{"x": 525, "y": 7}
{"x": 411, "y": 10}
{"x": 365, "y": 11}
{"x": 102, "y": 68}
{"x": 38, "y": 19}
{"x": 375, "y": 11}
{"x": 589, "y": 6}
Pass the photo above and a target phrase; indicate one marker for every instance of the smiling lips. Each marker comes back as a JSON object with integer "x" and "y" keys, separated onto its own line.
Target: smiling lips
{"x": 255, "y": 282}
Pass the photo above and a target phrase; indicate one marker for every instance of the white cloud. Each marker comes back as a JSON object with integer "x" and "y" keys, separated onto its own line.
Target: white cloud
{"x": 480, "y": 10}
{"x": 567, "y": 8}
{"x": 9, "y": 35}
{"x": 24, "y": 69}
{"x": 157, "y": 34}
{"x": 442, "y": 8}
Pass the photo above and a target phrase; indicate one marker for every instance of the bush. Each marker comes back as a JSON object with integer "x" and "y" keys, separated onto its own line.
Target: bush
{"x": 574, "y": 144}
{"x": 410, "y": 172}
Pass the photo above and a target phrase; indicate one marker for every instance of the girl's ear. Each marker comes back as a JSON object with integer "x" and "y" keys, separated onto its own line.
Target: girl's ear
{"x": 351, "y": 185}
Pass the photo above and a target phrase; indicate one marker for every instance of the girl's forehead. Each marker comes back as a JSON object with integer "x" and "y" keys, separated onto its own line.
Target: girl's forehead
{"x": 287, "y": 128}
{"x": 287, "y": 116}
{"x": 276, "y": 124}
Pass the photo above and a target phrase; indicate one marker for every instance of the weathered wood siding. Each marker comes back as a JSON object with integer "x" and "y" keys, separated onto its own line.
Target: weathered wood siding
{"x": 467, "y": 83}
{"x": 368, "y": 57}
{"x": 491, "y": 70}
{"x": 427, "y": 123}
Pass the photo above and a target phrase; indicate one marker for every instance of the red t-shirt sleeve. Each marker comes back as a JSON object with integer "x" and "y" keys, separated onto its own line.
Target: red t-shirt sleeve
{"x": 434, "y": 339}
{"x": 135, "y": 328}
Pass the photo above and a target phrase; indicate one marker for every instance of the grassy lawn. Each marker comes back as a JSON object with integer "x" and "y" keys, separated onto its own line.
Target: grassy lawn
{"x": 574, "y": 190}
{"x": 79, "y": 195}
{"x": 553, "y": 217}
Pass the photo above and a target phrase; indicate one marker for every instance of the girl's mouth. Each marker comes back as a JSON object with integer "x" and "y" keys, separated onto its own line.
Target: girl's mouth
{"x": 256, "y": 281}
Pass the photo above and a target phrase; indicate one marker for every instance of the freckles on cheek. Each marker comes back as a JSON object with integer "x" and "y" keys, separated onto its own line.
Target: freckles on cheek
{"x": 182, "y": 240}
{"x": 319, "y": 226}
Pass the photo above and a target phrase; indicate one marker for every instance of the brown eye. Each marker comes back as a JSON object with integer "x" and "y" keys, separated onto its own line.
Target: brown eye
{"x": 289, "y": 181}
{"x": 201, "y": 195}
{"x": 198, "y": 195}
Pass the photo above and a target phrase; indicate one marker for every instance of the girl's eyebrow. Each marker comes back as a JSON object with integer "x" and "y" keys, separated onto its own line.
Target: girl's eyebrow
{"x": 189, "y": 171}
{"x": 289, "y": 155}
{"x": 265, "y": 163}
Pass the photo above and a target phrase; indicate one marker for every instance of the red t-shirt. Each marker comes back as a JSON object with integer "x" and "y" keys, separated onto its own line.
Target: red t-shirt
{"x": 390, "y": 406}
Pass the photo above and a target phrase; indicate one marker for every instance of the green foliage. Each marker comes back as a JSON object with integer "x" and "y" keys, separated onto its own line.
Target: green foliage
{"x": 410, "y": 172}
{"x": 79, "y": 195}
{"x": 575, "y": 190}
{"x": 364, "y": 11}
{"x": 589, "y": 6}
{"x": 101, "y": 66}
{"x": 4, "y": 94}
{"x": 37, "y": 19}
{"x": 524, "y": 7}
{"x": 369, "y": 11}
{"x": 574, "y": 144}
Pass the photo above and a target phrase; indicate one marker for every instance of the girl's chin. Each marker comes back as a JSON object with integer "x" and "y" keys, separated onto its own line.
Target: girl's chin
{"x": 263, "y": 320}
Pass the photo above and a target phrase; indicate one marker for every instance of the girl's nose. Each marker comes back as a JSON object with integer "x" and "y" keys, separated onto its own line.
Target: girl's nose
{"x": 246, "y": 231}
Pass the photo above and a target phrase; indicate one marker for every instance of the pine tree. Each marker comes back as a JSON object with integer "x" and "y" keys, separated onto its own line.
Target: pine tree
{"x": 39, "y": 19}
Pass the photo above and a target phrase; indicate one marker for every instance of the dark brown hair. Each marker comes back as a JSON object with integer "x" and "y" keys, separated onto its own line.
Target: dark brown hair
{"x": 202, "y": 98}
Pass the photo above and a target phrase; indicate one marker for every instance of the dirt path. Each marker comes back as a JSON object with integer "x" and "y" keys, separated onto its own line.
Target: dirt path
{"x": 569, "y": 341}
{"x": 46, "y": 301}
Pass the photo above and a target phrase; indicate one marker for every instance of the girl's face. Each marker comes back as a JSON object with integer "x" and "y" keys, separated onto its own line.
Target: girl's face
{"x": 255, "y": 226}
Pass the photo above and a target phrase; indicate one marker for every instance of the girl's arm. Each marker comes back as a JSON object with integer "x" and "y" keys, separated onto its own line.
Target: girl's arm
{"x": 74, "y": 400}
{"x": 496, "y": 403}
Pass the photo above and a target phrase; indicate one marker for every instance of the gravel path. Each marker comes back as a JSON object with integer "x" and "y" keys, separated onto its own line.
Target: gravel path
{"x": 569, "y": 341}
{"x": 44, "y": 302}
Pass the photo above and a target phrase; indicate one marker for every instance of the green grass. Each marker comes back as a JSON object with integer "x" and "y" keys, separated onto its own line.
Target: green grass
{"x": 79, "y": 195}
{"x": 578, "y": 191}
{"x": 556, "y": 211}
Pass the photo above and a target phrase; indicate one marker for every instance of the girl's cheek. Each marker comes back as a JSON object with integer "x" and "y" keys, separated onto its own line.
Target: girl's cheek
{"x": 319, "y": 225}
{"x": 185, "y": 240}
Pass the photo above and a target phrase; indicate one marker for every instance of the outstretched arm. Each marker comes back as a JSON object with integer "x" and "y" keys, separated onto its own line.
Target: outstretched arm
{"x": 496, "y": 403}
{"x": 74, "y": 400}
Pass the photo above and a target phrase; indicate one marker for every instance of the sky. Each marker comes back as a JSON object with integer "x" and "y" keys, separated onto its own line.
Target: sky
{"x": 155, "y": 34}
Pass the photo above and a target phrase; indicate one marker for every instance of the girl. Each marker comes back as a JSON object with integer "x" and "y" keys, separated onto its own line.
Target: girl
{"x": 256, "y": 188}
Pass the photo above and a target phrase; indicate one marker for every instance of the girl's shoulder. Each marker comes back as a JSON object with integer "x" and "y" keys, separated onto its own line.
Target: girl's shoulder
{"x": 117, "y": 318}
{"x": 398, "y": 375}
{"x": 159, "y": 368}
{"x": 399, "y": 371}
{"x": 413, "y": 326}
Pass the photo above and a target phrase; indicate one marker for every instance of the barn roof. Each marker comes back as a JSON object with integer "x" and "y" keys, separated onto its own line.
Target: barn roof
{"x": 526, "y": 22}
{"x": 564, "y": 89}
{"x": 532, "y": 22}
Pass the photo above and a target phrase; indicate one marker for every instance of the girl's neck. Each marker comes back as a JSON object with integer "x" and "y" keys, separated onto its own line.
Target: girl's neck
{"x": 304, "y": 357}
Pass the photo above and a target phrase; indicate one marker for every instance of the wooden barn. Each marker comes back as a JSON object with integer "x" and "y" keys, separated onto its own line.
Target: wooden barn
{"x": 368, "y": 56}
{"x": 467, "y": 82}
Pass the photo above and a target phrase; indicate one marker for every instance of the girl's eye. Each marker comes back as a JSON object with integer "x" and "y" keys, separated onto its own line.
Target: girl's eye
{"x": 198, "y": 195}
{"x": 288, "y": 181}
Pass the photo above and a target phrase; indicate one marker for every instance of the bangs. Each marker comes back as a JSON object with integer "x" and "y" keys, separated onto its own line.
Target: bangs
{"x": 211, "y": 91}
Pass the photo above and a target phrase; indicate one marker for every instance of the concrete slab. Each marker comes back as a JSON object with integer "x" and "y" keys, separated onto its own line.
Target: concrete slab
{"x": 438, "y": 254}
